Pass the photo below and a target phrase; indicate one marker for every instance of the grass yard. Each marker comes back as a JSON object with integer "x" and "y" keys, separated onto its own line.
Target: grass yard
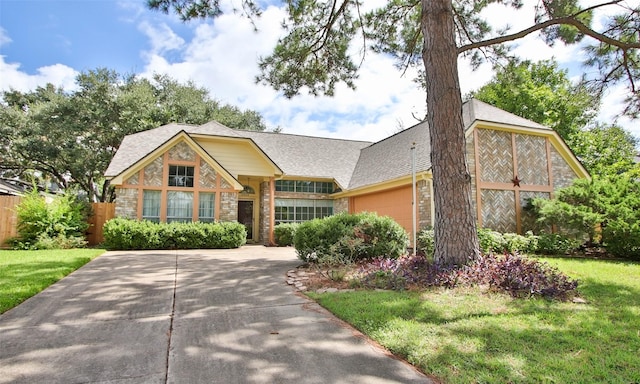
{"x": 25, "y": 273}
{"x": 469, "y": 336}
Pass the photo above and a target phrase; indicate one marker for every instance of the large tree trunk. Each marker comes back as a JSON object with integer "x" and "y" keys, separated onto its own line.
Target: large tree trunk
{"x": 456, "y": 239}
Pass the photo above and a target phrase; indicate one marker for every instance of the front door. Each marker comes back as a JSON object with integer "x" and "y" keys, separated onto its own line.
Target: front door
{"x": 245, "y": 217}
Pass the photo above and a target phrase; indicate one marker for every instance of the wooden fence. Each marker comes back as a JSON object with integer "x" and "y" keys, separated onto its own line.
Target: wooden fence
{"x": 102, "y": 212}
{"x": 8, "y": 219}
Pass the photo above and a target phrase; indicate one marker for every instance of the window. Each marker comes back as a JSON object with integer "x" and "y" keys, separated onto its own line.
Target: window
{"x": 206, "y": 206}
{"x": 302, "y": 186}
{"x": 299, "y": 210}
{"x": 151, "y": 205}
{"x": 181, "y": 176}
{"x": 179, "y": 206}
{"x": 285, "y": 185}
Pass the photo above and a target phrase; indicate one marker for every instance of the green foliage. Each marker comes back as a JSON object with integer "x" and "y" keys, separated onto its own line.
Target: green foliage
{"x": 490, "y": 242}
{"x": 59, "y": 224}
{"x": 426, "y": 242}
{"x": 77, "y": 133}
{"x": 606, "y": 151}
{"x": 285, "y": 233}
{"x": 543, "y": 93}
{"x": 122, "y": 233}
{"x": 555, "y": 244}
{"x": 345, "y": 238}
{"x": 604, "y": 211}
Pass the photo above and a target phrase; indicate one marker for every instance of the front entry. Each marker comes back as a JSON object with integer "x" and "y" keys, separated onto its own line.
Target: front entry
{"x": 245, "y": 216}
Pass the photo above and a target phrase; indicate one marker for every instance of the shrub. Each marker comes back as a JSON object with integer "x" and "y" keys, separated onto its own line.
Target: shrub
{"x": 120, "y": 233}
{"x": 612, "y": 205}
{"x": 555, "y": 244}
{"x": 345, "y": 238}
{"x": 59, "y": 224}
{"x": 490, "y": 241}
{"x": 513, "y": 274}
{"x": 425, "y": 242}
{"x": 285, "y": 233}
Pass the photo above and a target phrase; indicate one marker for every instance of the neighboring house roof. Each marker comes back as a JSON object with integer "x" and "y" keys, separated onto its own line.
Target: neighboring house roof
{"x": 16, "y": 187}
{"x": 352, "y": 164}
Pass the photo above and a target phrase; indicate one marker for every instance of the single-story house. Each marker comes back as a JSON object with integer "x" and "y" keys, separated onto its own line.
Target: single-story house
{"x": 210, "y": 172}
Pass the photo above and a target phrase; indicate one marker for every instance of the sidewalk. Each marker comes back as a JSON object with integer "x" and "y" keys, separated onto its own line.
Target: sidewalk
{"x": 206, "y": 316}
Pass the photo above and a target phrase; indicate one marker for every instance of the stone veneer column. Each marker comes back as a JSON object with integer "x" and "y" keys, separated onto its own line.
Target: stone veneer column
{"x": 127, "y": 203}
{"x": 265, "y": 212}
{"x": 228, "y": 206}
{"x": 424, "y": 204}
{"x": 341, "y": 205}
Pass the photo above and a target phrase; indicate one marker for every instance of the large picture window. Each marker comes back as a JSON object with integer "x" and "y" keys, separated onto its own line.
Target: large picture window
{"x": 181, "y": 176}
{"x": 303, "y": 186}
{"x": 300, "y": 210}
{"x": 179, "y": 206}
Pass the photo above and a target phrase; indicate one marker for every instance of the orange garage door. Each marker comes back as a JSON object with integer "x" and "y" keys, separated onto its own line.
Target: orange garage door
{"x": 395, "y": 203}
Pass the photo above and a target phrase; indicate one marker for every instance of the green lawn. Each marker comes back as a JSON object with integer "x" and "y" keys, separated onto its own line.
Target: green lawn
{"x": 25, "y": 273}
{"x": 469, "y": 336}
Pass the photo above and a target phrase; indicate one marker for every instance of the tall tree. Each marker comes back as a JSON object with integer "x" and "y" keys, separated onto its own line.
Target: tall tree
{"x": 541, "y": 92}
{"x": 72, "y": 136}
{"x": 607, "y": 151}
{"x": 314, "y": 55}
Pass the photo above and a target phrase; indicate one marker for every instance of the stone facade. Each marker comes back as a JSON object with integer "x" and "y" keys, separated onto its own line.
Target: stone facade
{"x": 182, "y": 152}
{"x": 127, "y": 203}
{"x": 133, "y": 180}
{"x": 265, "y": 212}
{"x": 423, "y": 190}
{"x": 532, "y": 159}
{"x": 208, "y": 175}
{"x": 341, "y": 205}
{"x": 228, "y": 206}
{"x": 499, "y": 210}
{"x": 153, "y": 173}
{"x": 563, "y": 175}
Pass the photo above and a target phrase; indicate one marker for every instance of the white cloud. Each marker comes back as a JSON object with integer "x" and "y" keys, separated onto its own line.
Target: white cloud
{"x": 161, "y": 37}
{"x": 223, "y": 57}
{"x": 57, "y": 74}
{"x": 4, "y": 37}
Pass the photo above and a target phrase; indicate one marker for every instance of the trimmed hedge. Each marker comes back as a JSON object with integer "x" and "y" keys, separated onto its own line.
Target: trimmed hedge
{"x": 122, "y": 233}
{"x": 346, "y": 238}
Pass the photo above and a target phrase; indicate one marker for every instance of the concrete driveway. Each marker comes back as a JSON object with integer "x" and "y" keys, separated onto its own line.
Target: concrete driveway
{"x": 205, "y": 316}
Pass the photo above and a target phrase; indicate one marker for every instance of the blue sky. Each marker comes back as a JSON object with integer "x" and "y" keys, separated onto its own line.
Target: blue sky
{"x": 53, "y": 40}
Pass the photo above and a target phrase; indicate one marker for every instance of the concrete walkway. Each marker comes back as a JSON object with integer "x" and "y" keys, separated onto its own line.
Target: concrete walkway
{"x": 214, "y": 316}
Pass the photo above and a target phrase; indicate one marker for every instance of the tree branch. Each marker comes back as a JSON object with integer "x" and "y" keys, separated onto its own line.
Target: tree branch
{"x": 566, "y": 20}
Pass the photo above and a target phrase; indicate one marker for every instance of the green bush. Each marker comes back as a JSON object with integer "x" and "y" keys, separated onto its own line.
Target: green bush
{"x": 285, "y": 233}
{"x": 555, "y": 244}
{"x": 426, "y": 242}
{"x": 612, "y": 205}
{"x": 349, "y": 237}
{"x": 122, "y": 233}
{"x": 59, "y": 224}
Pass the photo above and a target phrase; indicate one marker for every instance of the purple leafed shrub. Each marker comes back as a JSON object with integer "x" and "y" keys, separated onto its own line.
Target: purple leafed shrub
{"x": 511, "y": 273}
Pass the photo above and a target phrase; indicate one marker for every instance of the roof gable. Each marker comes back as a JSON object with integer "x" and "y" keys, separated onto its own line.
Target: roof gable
{"x": 179, "y": 137}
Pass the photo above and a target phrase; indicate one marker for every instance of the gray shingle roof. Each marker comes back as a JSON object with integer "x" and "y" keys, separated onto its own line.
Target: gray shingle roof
{"x": 476, "y": 110}
{"x": 135, "y": 147}
{"x": 351, "y": 163}
{"x": 306, "y": 156}
{"x": 391, "y": 158}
